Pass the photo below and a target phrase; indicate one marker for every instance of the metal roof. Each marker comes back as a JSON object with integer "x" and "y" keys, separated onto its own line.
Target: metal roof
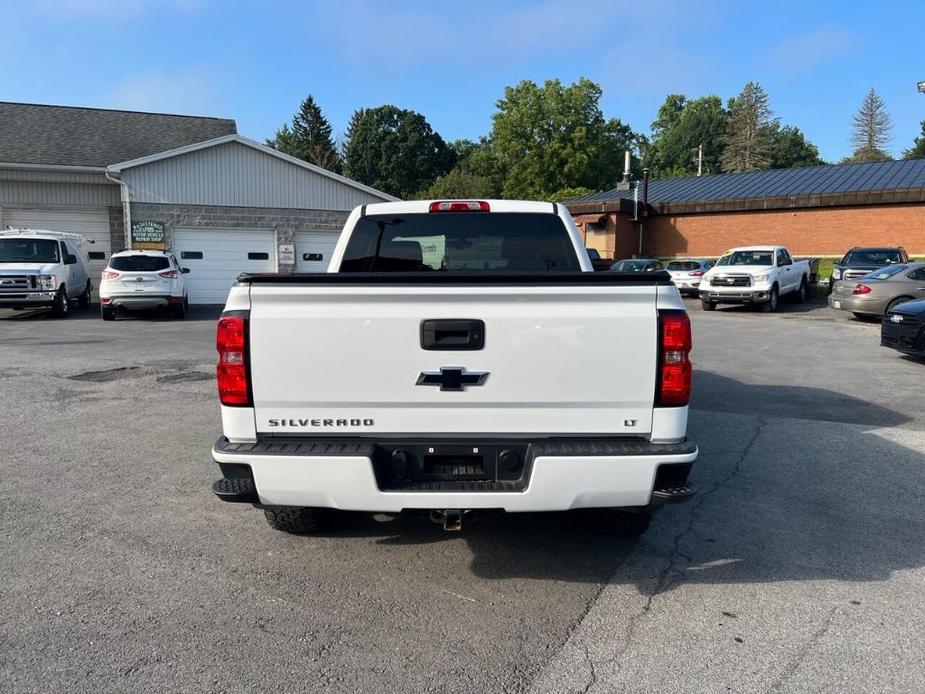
{"x": 72, "y": 136}
{"x": 812, "y": 180}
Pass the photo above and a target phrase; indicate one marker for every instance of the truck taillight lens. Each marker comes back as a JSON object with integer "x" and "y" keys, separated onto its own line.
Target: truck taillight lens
{"x": 233, "y": 370}
{"x": 460, "y": 206}
{"x": 674, "y": 375}
{"x": 110, "y": 274}
{"x": 861, "y": 289}
{"x": 169, "y": 274}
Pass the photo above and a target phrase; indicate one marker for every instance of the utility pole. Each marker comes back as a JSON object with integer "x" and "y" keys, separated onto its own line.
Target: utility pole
{"x": 699, "y": 160}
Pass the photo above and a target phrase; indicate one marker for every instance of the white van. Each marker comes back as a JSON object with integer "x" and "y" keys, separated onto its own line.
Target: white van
{"x": 43, "y": 269}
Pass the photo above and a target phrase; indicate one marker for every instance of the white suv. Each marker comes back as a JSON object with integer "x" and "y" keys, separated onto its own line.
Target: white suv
{"x": 43, "y": 269}
{"x": 143, "y": 279}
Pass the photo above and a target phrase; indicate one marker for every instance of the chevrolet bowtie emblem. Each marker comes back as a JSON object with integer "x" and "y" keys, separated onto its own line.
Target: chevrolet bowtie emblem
{"x": 452, "y": 378}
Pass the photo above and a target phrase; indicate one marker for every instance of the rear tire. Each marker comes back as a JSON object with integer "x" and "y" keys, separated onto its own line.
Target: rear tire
{"x": 84, "y": 300}
{"x": 108, "y": 312}
{"x": 802, "y": 292}
{"x": 707, "y": 305}
{"x": 62, "y": 305}
{"x": 179, "y": 310}
{"x": 296, "y": 520}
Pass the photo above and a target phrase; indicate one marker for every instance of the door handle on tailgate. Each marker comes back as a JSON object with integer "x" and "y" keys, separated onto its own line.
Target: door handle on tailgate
{"x": 453, "y": 334}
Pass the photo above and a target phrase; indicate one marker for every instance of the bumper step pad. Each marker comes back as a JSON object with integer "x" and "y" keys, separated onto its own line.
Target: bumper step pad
{"x": 237, "y": 490}
{"x": 673, "y": 493}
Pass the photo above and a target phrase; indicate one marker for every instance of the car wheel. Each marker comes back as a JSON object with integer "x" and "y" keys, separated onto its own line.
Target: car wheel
{"x": 707, "y": 305}
{"x": 896, "y": 302}
{"x": 108, "y": 312}
{"x": 62, "y": 304}
{"x": 84, "y": 300}
{"x": 296, "y": 520}
{"x": 770, "y": 306}
{"x": 802, "y": 292}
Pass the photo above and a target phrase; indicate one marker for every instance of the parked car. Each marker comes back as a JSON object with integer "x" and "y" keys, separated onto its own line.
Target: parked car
{"x": 637, "y": 265}
{"x": 43, "y": 269}
{"x": 688, "y": 274}
{"x": 597, "y": 262}
{"x": 143, "y": 280}
{"x": 903, "y": 328}
{"x": 881, "y": 291}
{"x": 862, "y": 261}
{"x": 470, "y": 405}
{"x": 755, "y": 275}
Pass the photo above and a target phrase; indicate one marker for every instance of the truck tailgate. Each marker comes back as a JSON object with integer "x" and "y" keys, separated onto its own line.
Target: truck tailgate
{"x": 338, "y": 359}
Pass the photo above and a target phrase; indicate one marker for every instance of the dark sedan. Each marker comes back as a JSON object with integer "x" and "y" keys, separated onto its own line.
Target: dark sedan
{"x": 637, "y": 265}
{"x": 903, "y": 328}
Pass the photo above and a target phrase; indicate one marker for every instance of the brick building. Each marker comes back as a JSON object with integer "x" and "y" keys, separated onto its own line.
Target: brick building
{"x": 820, "y": 211}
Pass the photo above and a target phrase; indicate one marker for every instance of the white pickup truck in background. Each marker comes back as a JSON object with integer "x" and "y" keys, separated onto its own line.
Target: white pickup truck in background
{"x": 458, "y": 355}
{"x": 755, "y": 275}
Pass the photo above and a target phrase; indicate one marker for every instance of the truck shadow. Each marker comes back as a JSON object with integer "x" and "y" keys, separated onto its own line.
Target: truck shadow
{"x": 788, "y": 493}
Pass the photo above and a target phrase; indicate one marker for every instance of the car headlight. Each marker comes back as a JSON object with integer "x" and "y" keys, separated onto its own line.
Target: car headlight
{"x": 836, "y": 274}
{"x": 45, "y": 282}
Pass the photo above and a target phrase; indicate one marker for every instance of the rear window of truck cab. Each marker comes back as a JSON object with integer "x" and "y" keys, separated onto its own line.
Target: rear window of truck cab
{"x": 467, "y": 241}
{"x": 139, "y": 263}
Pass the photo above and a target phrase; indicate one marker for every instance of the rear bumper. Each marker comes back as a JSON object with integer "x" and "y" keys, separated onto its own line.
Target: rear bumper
{"x": 27, "y": 299}
{"x": 138, "y": 300}
{"x": 858, "y": 304}
{"x": 560, "y": 477}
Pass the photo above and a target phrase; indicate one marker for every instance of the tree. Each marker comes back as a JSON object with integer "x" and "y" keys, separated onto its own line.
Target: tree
{"x": 790, "y": 148}
{"x": 872, "y": 130}
{"x": 682, "y": 127}
{"x": 917, "y": 150}
{"x": 458, "y": 183}
{"x": 309, "y": 138}
{"x": 750, "y": 132}
{"x": 552, "y": 137}
{"x": 395, "y": 150}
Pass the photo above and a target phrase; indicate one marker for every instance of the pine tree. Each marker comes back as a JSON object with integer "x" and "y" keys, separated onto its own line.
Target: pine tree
{"x": 872, "y": 130}
{"x": 309, "y": 138}
{"x": 917, "y": 151}
{"x": 750, "y": 133}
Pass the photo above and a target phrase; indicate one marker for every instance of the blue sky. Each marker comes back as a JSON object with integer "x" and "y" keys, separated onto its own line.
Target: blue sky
{"x": 254, "y": 61}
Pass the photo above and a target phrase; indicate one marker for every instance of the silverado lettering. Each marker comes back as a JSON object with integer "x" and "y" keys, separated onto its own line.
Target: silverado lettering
{"x": 320, "y": 422}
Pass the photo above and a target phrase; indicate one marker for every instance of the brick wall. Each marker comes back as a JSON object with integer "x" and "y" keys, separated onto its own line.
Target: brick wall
{"x": 823, "y": 231}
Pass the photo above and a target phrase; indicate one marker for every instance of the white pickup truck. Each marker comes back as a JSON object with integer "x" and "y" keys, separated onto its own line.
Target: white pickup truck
{"x": 755, "y": 275}
{"x": 457, "y": 355}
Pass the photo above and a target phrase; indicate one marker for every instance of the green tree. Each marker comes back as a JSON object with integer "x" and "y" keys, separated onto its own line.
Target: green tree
{"x": 552, "y": 137}
{"x": 750, "y": 132}
{"x": 680, "y": 129}
{"x": 790, "y": 148}
{"x": 917, "y": 150}
{"x": 872, "y": 130}
{"x": 458, "y": 183}
{"x": 309, "y": 138}
{"x": 396, "y": 151}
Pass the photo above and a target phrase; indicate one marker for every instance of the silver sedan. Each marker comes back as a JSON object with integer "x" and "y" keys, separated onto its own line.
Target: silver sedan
{"x": 880, "y": 291}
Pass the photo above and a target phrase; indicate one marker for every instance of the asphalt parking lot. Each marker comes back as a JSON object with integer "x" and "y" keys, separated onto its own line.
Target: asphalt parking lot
{"x": 800, "y": 567}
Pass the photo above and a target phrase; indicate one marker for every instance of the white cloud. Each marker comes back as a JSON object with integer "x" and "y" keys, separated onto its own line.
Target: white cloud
{"x": 194, "y": 91}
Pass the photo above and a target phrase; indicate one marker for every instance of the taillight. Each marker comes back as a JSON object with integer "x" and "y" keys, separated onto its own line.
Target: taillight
{"x": 460, "y": 206}
{"x": 674, "y": 364}
{"x": 697, "y": 273}
{"x": 233, "y": 371}
{"x": 169, "y": 274}
{"x": 110, "y": 274}
{"x": 861, "y": 289}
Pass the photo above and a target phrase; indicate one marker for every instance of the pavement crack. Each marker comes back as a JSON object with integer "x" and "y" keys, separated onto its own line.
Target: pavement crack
{"x": 804, "y": 651}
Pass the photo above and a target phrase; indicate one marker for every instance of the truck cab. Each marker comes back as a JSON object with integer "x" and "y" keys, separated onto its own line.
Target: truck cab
{"x": 43, "y": 269}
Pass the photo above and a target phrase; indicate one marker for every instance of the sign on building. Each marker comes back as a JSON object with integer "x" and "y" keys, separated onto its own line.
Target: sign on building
{"x": 149, "y": 235}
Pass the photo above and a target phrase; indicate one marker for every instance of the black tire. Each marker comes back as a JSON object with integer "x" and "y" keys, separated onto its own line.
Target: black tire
{"x": 179, "y": 310}
{"x": 62, "y": 305}
{"x": 773, "y": 303}
{"x": 84, "y": 300}
{"x": 803, "y": 292}
{"x": 296, "y": 520}
{"x": 107, "y": 312}
{"x": 707, "y": 305}
{"x": 896, "y": 302}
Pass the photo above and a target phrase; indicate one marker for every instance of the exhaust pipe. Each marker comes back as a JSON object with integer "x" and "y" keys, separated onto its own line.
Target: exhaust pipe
{"x": 450, "y": 518}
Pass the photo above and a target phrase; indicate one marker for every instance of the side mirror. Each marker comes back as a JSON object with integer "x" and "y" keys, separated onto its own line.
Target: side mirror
{"x": 70, "y": 259}
{"x": 184, "y": 270}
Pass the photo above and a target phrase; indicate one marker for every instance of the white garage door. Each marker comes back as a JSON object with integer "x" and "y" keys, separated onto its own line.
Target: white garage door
{"x": 215, "y": 257}
{"x": 313, "y": 250}
{"x": 90, "y": 222}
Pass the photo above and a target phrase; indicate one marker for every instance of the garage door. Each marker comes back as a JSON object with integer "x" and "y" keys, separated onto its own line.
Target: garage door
{"x": 215, "y": 257}
{"x": 313, "y": 250}
{"x": 90, "y": 222}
